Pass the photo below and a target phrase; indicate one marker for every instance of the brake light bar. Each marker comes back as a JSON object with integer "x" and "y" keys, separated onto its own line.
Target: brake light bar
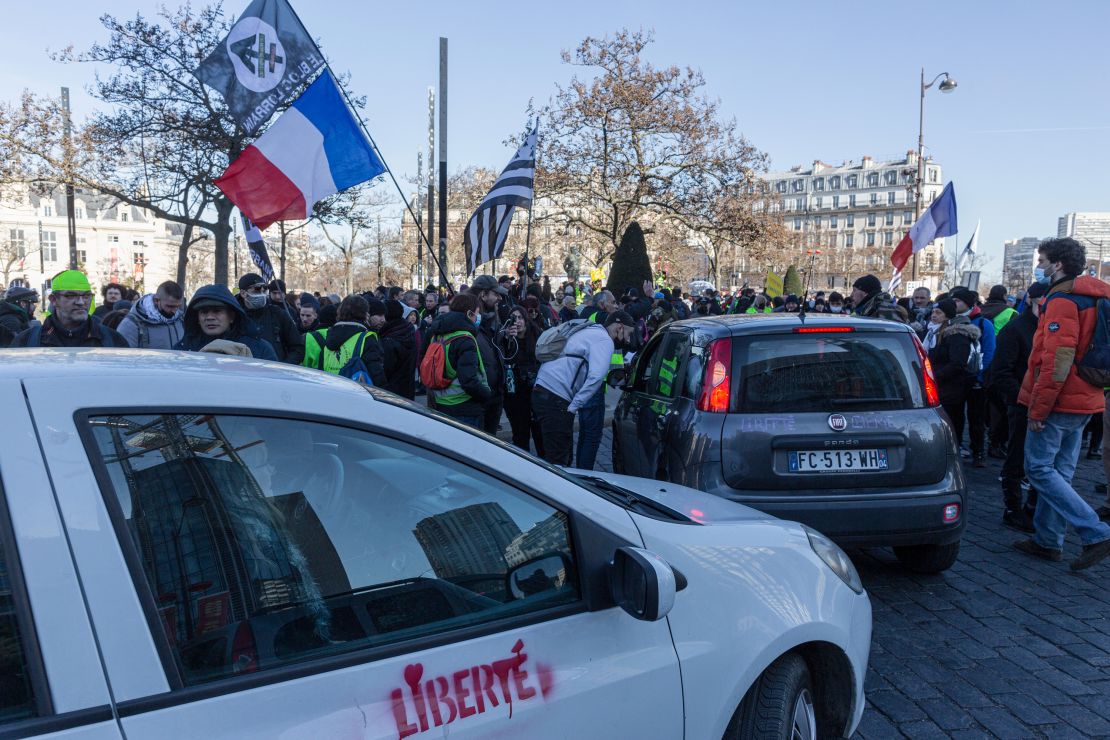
{"x": 716, "y": 386}
{"x": 823, "y": 329}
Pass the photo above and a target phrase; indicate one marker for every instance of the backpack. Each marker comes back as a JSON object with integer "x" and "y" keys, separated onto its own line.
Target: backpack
{"x": 1094, "y": 368}
{"x": 552, "y": 344}
{"x": 433, "y": 368}
{"x": 354, "y": 369}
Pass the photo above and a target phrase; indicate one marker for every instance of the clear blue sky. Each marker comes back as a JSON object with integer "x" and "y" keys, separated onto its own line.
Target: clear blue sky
{"x": 1025, "y": 137}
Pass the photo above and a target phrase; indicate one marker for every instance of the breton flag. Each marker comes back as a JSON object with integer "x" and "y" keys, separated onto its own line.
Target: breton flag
{"x": 313, "y": 150}
{"x": 484, "y": 238}
{"x": 969, "y": 251}
{"x": 266, "y": 56}
{"x": 256, "y": 245}
{"x": 939, "y": 220}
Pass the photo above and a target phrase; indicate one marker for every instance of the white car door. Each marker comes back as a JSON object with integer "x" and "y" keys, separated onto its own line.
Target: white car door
{"x": 51, "y": 680}
{"x": 300, "y": 575}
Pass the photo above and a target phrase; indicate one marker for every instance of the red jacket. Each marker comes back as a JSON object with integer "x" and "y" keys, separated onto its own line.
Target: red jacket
{"x": 1063, "y": 334}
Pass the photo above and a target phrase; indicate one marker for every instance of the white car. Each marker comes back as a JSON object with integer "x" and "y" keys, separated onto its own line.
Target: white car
{"x": 210, "y": 547}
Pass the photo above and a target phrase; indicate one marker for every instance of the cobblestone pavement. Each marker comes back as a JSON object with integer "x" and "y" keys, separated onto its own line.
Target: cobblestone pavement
{"x": 1002, "y": 645}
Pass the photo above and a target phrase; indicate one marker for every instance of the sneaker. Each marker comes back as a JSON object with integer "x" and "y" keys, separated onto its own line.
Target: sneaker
{"x": 979, "y": 461}
{"x": 1017, "y": 520}
{"x": 1091, "y": 554}
{"x": 1029, "y": 547}
{"x": 1103, "y": 513}
{"x": 1094, "y": 454}
{"x": 997, "y": 452}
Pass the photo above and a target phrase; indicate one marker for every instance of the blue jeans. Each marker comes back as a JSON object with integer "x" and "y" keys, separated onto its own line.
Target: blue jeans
{"x": 1050, "y": 458}
{"x": 470, "y": 421}
{"x": 591, "y": 424}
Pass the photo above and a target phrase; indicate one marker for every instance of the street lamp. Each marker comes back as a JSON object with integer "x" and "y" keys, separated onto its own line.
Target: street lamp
{"x": 947, "y": 85}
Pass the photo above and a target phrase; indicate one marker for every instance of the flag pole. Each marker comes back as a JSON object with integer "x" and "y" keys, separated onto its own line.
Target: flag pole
{"x": 531, "y": 203}
{"x": 366, "y": 131}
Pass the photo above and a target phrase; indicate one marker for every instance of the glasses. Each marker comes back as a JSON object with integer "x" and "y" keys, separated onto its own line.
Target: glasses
{"x": 73, "y": 295}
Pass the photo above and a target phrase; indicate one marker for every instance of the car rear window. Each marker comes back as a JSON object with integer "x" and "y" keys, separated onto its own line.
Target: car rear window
{"x": 800, "y": 373}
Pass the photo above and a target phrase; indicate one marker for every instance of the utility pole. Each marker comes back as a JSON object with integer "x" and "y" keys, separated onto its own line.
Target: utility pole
{"x": 431, "y": 229}
{"x": 71, "y": 221}
{"x": 443, "y": 159}
{"x": 380, "y": 251}
{"x": 419, "y": 221}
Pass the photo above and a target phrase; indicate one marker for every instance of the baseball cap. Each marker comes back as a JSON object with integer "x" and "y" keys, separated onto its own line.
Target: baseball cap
{"x": 620, "y": 317}
{"x": 487, "y": 282}
{"x": 250, "y": 280}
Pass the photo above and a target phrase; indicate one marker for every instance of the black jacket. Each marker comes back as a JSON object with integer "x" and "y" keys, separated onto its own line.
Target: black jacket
{"x": 242, "y": 329}
{"x": 881, "y": 306}
{"x": 949, "y": 359}
{"x": 13, "y": 320}
{"x": 520, "y": 354}
{"x": 371, "y": 348}
{"x": 279, "y": 330}
{"x": 488, "y": 339}
{"x": 463, "y": 356}
{"x": 399, "y": 350}
{"x": 90, "y": 334}
{"x": 1011, "y": 356}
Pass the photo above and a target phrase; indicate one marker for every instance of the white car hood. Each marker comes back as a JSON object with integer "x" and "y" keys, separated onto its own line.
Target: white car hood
{"x": 701, "y": 507}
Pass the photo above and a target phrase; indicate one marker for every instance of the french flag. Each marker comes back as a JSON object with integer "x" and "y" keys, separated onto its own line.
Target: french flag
{"x": 313, "y": 150}
{"x": 939, "y": 220}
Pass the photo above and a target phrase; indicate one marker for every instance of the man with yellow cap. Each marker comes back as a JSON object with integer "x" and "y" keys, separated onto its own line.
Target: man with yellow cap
{"x": 70, "y": 322}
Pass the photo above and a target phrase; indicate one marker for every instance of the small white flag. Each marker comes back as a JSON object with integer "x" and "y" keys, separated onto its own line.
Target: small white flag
{"x": 965, "y": 257}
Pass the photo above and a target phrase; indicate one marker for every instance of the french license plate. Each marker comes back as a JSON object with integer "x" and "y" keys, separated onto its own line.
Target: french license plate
{"x": 837, "y": 461}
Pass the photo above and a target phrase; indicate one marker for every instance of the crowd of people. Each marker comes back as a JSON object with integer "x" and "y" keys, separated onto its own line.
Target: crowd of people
{"x": 1004, "y": 367}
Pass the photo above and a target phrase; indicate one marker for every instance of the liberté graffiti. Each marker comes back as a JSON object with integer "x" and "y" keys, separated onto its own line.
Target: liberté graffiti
{"x": 436, "y": 701}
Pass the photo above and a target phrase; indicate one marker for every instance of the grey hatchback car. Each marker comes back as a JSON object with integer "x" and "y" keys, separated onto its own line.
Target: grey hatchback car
{"x": 832, "y": 421}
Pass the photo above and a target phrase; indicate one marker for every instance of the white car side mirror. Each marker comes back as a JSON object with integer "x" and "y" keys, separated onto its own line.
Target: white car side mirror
{"x": 642, "y": 583}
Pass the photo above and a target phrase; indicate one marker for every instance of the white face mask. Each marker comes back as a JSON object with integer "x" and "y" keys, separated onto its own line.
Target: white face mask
{"x": 256, "y": 300}
{"x": 836, "y": 309}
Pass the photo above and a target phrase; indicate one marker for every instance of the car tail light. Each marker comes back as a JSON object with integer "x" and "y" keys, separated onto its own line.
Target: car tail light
{"x": 716, "y": 385}
{"x": 823, "y": 329}
{"x": 951, "y": 513}
{"x": 244, "y": 652}
{"x": 932, "y": 395}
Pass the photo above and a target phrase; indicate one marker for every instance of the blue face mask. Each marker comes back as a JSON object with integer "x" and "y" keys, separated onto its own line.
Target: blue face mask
{"x": 1040, "y": 276}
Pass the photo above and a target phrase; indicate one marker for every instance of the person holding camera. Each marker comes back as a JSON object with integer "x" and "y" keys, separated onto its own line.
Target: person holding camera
{"x": 521, "y": 369}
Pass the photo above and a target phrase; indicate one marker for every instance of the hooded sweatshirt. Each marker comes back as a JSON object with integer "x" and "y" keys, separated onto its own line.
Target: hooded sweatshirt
{"x": 242, "y": 330}
{"x": 1064, "y": 332}
{"x": 463, "y": 355}
{"x": 949, "y": 359}
{"x": 13, "y": 320}
{"x": 144, "y": 327}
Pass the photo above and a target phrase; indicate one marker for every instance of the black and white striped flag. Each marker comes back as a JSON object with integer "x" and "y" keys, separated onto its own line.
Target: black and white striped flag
{"x": 256, "y": 245}
{"x": 484, "y": 238}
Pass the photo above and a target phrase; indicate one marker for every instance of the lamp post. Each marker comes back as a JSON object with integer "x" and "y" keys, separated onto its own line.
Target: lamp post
{"x": 947, "y": 85}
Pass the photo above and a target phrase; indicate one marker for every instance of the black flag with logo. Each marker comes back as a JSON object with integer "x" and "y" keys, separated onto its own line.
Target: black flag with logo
{"x": 266, "y": 57}
{"x": 256, "y": 245}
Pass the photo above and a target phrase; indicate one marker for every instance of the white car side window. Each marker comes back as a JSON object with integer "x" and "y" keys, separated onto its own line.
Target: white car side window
{"x": 270, "y": 541}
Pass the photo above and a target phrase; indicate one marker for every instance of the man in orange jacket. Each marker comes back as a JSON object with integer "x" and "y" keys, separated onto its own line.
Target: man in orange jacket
{"x": 1060, "y": 404}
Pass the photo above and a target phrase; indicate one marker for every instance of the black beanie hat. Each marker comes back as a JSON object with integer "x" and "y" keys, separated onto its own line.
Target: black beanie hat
{"x": 998, "y": 293}
{"x": 393, "y": 310}
{"x": 968, "y": 296}
{"x": 868, "y": 284}
{"x": 377, "y": 308}
{"x": 948, "y": 306}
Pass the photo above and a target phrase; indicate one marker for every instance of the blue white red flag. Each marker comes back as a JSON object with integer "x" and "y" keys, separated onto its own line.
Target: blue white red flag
{"x": 938, "y": 221}
{"x": 313, "y": 150}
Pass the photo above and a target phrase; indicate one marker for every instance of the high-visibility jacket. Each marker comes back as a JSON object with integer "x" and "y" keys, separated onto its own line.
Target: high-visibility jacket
{"x": 317, "y": 355}
{"x": 454, "y": 394}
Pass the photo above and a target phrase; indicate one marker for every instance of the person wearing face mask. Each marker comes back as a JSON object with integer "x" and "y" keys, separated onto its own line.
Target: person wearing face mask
{"x": 1060, "y": 403}
{"x": 1011, "y": 360}
{"x": 157, "y": 320}
{"x": 465, "y": 398}
{"x": 522, "y": 366}
{"x": 490, "y": 295}
{"x": 273, "y": 321}
{"x": 836, "y": 303}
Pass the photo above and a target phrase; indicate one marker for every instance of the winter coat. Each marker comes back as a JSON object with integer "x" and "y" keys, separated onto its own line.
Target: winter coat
{"x": 986, "y": 338}
{"x": 372, "y": 357}
{"x": 400, "y": 348}
{"x": 242, "y": 329}
{"x": 1064, "y": 332}
{"x": 144, "y": 327}
{"x": 278, "y": 329}
{"x": 567, "y": 314}
{"x": 463, "y": 356}
{"x": 1011, "y": 357}
{"x": 487, "y": 335}
{"x": 91, "y": 333}
{"x": 949, "y": 360}
{"x": 881, "y": 306}
{"x": 13, "y": 320}
{"x": 520, "y": 354}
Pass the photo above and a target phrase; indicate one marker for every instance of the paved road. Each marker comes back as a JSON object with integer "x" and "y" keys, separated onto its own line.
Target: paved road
{"x": 1001, "y": 646}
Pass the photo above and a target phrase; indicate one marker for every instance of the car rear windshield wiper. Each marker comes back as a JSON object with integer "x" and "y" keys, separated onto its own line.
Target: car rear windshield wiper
{"x": 630, "y": 500}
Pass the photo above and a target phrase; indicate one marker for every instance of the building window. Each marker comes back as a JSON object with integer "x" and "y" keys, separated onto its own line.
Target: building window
{"x": 891, "y": 178}
{"x": 850, "y": 220}
{"x": 853, "y": 180}
{"x": 888, "y": 238}
{"x": 834, "y": 182}
{"x": 930, "y": 262}
{"x": 833, "y": 222}
{"x": 849, "y": 239}
{"x": 780, "y": 186}
{"x": 907, "y": 217}
{"x": 18, "y": 242}
{"x": 138, "y": 243}
{"x": 817, "y": 203}
{"x": 871, "y": 219}
{"x": 889, "y": 218}
{"x": 113, "y": 239}
{"x": 47, "y": 211}
{"x": 50, "y": 246}
{"x": 890, "y": 198}
{"x": 873, "y": 180}
{"x": 871, "y": 238}
{"x": 932, "y": 174}
{"x": 817, "y": 222}
{"x": 78, "y": 212}
{"x": 797, "y": 224}
{"x": 874, "y": 199}
{"x": 123, "y": 215}
{"x": 798, "y": 186}
{"x": 852, "y": 200}
{"x": 836, "y": 201}
{"x": 819, "y": 183}
{"x": 799, "y": 204}
{"x": 82, "y": 257}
